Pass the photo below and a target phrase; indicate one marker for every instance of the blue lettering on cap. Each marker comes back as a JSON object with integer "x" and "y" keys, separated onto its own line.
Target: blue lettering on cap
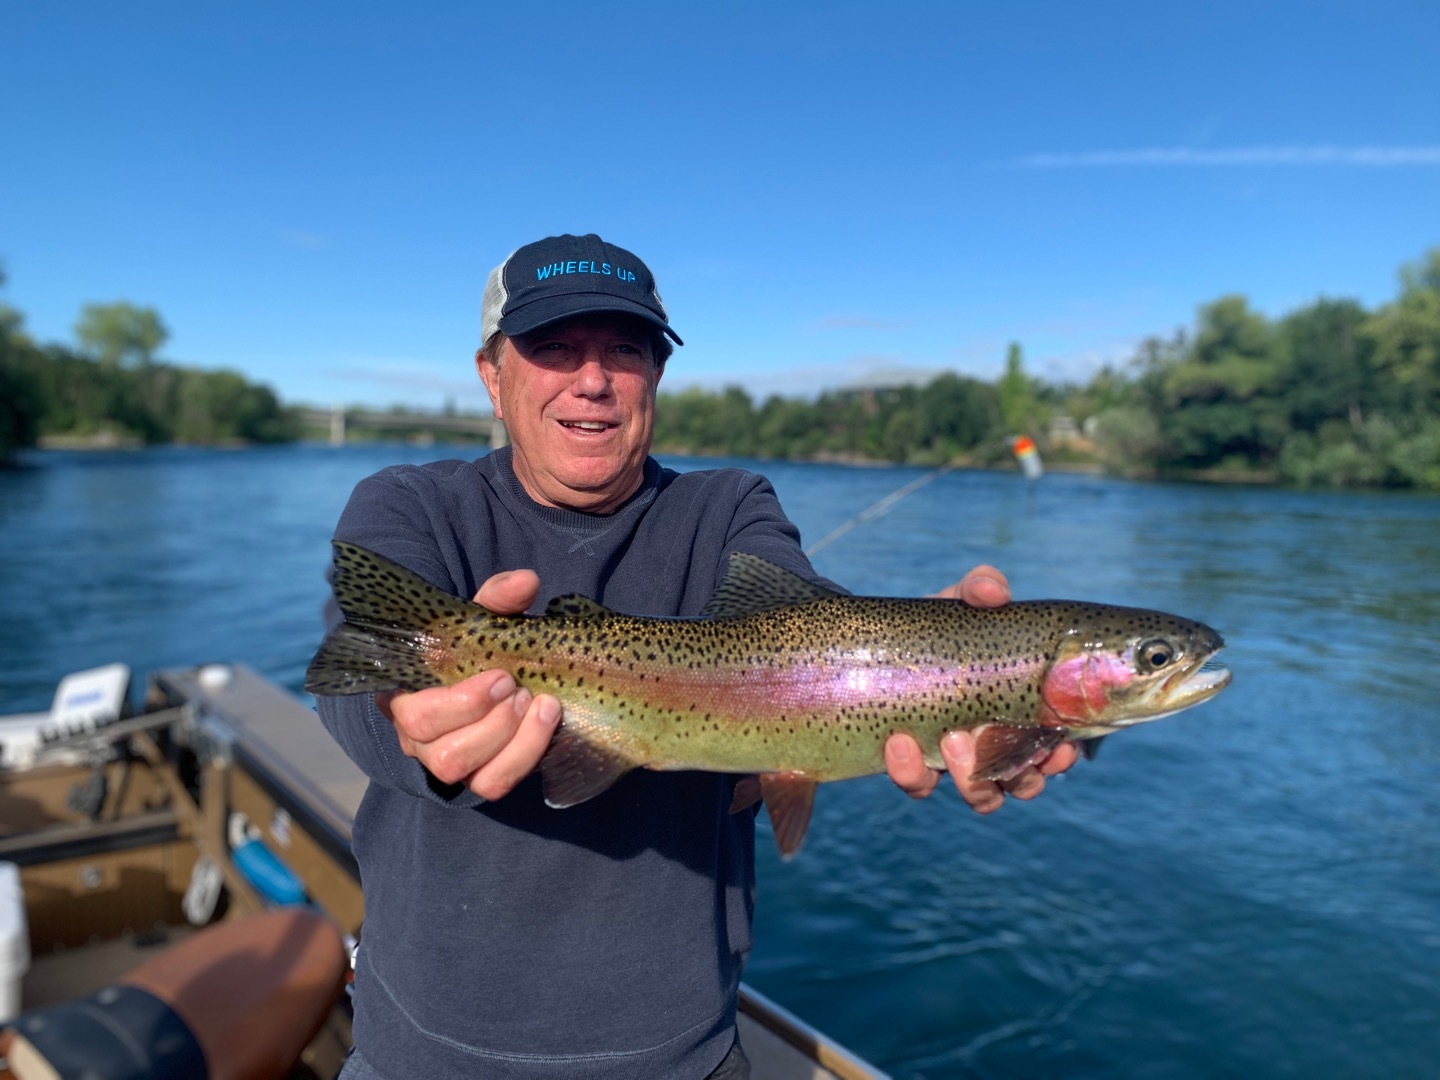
{"x": 583, "y": 266}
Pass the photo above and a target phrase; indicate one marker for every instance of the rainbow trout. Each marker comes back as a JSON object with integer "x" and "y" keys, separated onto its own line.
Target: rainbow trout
{"x": 778, "y": 677}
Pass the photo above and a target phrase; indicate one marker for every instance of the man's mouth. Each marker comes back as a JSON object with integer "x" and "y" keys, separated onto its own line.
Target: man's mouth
{"x": 592, "y": 426}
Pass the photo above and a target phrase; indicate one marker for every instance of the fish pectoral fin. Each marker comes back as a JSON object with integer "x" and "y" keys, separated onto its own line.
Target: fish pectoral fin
{"x": 574, "y": 769}
{"x": 789, "y": 798}
{"x": 1003, "y": 751}
{"x": 1091, "y": 747}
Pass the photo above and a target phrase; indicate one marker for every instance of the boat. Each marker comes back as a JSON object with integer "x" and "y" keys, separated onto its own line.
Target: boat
{"x": 181, "y": 873}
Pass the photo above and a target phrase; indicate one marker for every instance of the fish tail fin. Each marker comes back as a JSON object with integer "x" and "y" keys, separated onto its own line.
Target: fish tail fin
{"x": 397, "y": 632}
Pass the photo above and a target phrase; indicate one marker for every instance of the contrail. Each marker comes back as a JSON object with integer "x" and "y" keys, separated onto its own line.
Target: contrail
{"x": 1369, "y": 156}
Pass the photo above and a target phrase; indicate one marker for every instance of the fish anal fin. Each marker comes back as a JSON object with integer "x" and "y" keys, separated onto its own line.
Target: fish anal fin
{"x": 789, "y": 799}
{"x": 1003, "y": 751}
{"x": 753, "y": 585}
{"x": 575, "y": 769}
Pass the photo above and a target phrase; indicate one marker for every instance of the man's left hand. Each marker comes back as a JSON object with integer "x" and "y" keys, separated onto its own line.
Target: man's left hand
{"x": 982, "y": 587}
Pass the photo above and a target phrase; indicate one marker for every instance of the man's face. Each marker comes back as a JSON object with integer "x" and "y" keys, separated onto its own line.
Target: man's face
{"x": 578, "y": 399}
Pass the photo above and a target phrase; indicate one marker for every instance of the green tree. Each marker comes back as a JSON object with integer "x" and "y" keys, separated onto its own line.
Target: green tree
{"x": 958, "y": 414}
{"x": 1019, "y": 408}
{"x": 786, "y": 427}
{"x": 1405, "y": 335}
{"x": 1219, "y": 401}
{"x": 1328, "y": 374}
{"x": 21, "y": 403}
{"x": 115, "y": 333}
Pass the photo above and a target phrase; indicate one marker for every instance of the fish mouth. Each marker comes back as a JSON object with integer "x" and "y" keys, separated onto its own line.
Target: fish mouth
{"x": 1187, "y": 688}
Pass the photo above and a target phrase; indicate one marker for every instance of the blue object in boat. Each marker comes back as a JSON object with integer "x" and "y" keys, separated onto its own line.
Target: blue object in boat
{"x": 271, "y": 878}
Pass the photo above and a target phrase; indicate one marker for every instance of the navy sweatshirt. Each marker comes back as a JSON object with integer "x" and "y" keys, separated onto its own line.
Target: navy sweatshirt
{"x": 509, "y": 939}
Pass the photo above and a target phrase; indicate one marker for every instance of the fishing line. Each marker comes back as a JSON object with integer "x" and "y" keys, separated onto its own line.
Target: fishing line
{"x": 872, "y": 512}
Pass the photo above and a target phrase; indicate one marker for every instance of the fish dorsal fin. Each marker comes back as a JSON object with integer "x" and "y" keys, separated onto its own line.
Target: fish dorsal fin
{"x": 753, "y": 585}
{"x": 577, "y": 607}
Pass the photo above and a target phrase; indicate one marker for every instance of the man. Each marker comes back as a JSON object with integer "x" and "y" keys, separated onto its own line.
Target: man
{"x": 504, "y": 938}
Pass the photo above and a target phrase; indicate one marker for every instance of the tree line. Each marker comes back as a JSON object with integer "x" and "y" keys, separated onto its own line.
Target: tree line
{"x": 1331, "y": 394}
{"x": 113, "y": 390}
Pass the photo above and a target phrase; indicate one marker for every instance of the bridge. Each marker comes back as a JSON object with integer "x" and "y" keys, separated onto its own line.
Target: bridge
{"x": 339, "y": 421}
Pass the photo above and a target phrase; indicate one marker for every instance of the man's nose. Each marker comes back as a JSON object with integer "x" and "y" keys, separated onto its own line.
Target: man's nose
{"x": 591, "y": 378}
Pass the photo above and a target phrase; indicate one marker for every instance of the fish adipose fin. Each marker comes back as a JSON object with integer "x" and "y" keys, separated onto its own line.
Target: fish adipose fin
{"x": 789, "y": 798}
{"x": 1003, "y": 751}
{"x": 753, "y": 585}
{"x": 394, "y": 622}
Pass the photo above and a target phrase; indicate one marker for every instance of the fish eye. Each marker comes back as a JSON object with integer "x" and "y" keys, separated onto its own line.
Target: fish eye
{"x": 1155, "y": 654}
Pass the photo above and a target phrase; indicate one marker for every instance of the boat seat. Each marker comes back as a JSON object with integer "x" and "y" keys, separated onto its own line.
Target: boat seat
{"x": 239, "y": 1000}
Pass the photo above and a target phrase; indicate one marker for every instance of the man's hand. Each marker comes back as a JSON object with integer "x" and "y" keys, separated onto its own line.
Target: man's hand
{"x": 485, "y": 732}
{"x": 982, "y": 587}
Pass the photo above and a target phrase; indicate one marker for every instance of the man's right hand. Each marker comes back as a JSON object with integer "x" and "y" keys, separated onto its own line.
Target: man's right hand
{"x": 485, "y": 732}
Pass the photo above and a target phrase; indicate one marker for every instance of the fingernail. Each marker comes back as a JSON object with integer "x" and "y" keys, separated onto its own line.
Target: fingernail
{"x": 503, "y": 688}
{"x": 961, "y": 748}
{"x": 522, "y": 701}
{"x": 549, "y": 711}
{"x": 902, "y": 751}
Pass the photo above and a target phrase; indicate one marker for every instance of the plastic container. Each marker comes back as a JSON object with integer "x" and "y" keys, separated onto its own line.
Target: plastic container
{"x": 14, "y": 941}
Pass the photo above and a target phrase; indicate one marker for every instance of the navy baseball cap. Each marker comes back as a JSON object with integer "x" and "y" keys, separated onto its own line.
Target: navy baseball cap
{"x": 562, "y": 276}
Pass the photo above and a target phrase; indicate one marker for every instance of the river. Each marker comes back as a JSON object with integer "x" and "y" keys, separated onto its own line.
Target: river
{"x": 1251, "y": 888}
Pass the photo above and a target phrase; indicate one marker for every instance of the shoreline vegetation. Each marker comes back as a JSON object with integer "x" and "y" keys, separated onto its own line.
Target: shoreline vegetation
{"x": 1329, "y": 395}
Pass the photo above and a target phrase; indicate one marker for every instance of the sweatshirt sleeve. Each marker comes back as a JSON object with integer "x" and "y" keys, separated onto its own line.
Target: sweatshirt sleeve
{"x": 386, "y": 513}
{"x": 760, "y": 527}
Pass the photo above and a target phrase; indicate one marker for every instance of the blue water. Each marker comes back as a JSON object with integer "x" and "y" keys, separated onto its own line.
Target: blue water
{"x": 1250, "y": 888}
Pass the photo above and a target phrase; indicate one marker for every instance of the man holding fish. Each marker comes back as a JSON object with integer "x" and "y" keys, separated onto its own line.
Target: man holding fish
{"x": 504, "y": 937}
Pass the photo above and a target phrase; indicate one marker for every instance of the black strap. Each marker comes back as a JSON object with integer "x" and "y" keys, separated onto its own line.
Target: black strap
{"x": 120, "y": 1033}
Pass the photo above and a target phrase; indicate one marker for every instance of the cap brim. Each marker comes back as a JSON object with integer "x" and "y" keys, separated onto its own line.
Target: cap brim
{"x": 551, "y": 309}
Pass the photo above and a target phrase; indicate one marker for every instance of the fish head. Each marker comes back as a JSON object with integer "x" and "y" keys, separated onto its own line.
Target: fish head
{"x": 1117, "y": 667}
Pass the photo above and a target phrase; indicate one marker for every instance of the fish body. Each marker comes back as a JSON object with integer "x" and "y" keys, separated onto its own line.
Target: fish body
{"x": 779, "y": 677}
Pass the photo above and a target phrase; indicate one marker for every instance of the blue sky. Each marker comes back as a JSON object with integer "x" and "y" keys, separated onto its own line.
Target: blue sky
{"x": 313, "y": 193}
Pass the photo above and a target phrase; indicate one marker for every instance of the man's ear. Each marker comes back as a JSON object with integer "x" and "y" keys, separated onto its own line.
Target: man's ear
{"x": 490, "y": 376}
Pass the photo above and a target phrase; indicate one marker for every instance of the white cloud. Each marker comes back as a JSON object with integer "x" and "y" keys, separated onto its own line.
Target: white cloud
{"x": 1368, "y": 156}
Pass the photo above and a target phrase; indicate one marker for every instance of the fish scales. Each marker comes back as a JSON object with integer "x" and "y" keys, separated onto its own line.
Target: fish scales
{"x": 781, "y": 678}
{"x": 691, "y": 696}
